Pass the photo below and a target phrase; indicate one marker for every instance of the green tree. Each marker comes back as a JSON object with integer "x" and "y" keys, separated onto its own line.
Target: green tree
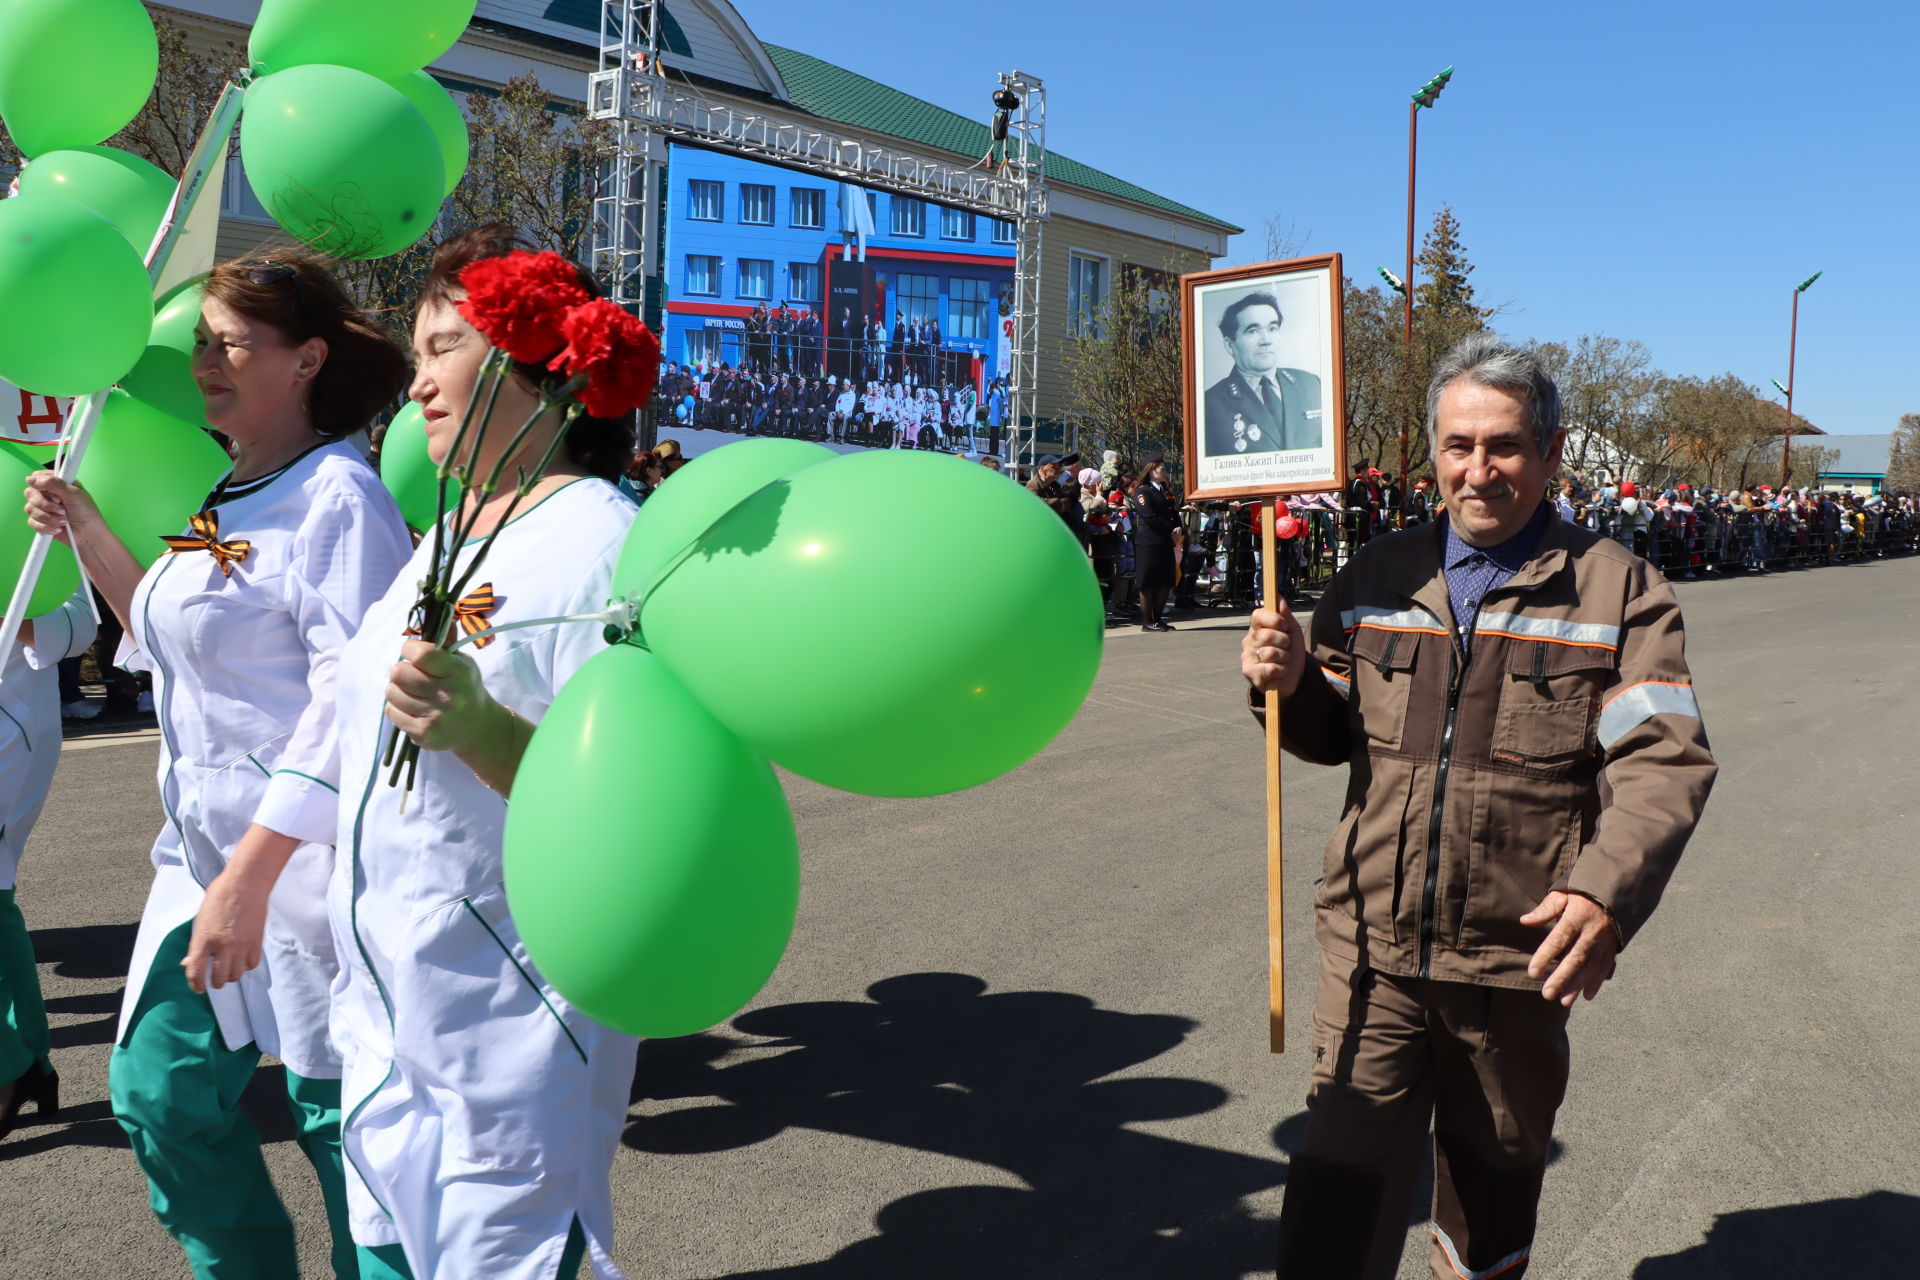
{"x": 1383, "y": 391}
{"x": 190, "y": 82}
{"x": 1124, "y": 376}
{"x": 1376, "y": 399}
{"x": 1903, "y": 461}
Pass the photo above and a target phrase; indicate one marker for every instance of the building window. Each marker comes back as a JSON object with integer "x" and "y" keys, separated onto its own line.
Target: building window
{"x": 1086, "y": 292}
{"x": 803, "y": 282}
{"x": 808, "y": 208}
{"x": 918, "y": 296}
{"x": 705, "y": 200}
{"x": 236, "y": 195}
{"x": 955, "y": 224}
{"x": 756, "y": 278}
{"x": 909, "y": 217}
{"x": 703, "y": 274}
{"x": 971, "y": 303}
{"x": 756, "y": 204}
{"x": 1004, "y": 232}
{"x": 703, "y": 346}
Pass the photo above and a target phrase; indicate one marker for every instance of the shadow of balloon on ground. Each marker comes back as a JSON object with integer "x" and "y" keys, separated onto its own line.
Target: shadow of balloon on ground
{"x": 1017, "y": 1080}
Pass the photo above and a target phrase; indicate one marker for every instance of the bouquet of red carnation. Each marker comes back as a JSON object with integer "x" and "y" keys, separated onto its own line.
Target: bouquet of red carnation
{"x": 534, "y": 309}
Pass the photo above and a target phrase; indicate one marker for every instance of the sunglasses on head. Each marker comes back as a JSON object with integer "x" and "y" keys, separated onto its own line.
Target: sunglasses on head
{"x": 274, "y": 273}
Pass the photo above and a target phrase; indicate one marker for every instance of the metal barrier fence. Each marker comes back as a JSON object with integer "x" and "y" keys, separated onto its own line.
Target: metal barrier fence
{"x": 1220, "y": 562}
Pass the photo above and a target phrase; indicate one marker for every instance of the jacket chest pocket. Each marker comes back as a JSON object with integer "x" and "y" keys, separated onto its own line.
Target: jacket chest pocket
{"x": 1547, "y": 707}
{"x": 1383, "y": 671}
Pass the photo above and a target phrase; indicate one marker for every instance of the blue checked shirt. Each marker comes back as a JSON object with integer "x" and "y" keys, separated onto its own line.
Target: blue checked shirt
{"x": 1474, "y": 571}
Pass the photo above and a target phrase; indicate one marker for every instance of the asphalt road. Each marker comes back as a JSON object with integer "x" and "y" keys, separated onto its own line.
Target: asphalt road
{"x": 1021, "y": 1031}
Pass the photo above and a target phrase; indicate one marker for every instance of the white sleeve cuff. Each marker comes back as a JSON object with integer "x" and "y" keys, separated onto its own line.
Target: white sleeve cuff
{"x": 59, "y": 634}
{"x": 129, "y": 657}
{"x": 300, "y": 806}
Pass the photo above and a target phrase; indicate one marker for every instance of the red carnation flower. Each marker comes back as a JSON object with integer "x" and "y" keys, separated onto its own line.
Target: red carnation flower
{"x": 519, "y": 302}
{"x": 615, "y": 352}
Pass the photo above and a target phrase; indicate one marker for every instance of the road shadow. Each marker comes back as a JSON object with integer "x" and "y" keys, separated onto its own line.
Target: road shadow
{"x": 1868, "y": 1237}
{"x": 934, "y": 1062}
{"x": 86, "y": 952}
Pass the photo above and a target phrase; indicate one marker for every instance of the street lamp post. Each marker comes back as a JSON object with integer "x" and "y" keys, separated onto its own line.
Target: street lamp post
{"x": 1793, "y": 341}
{"x": 1425, "y": 96}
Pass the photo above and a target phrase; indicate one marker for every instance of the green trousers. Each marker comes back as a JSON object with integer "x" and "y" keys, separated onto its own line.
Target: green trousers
{"x": 23, "y": 1039}
{"x": 176, "y": 1091}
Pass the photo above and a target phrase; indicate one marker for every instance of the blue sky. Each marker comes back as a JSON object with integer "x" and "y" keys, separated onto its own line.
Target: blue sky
{"x": 1665, "y": 172}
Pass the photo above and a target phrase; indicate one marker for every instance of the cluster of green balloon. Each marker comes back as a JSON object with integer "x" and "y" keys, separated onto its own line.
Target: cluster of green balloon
{"x": 148, "y": 471}
{"x": 869, "y": 652}
{"x": 347, "y": 142}
{"x": 61, "y": 575}
{"x": 73, "y": 72}
{"x": 663, "y": 927}
{"x": 788, "y": 614}
{"x": 72, "y": 246}
{"x": 410, "y": 473}
{"x": 164, "y": 376}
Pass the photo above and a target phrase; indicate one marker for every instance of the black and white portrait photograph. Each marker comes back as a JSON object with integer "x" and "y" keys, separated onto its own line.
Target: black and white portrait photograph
{"x": 1263, "y": 378}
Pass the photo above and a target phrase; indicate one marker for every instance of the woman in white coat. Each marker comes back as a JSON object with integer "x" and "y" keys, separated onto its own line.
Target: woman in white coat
{"x": 482, "y": 1110}
{"x": 242, "y": 623}
{"x": 29, "y": 750}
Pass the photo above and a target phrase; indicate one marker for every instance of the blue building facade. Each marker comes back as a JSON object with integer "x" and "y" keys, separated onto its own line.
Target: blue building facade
{"x": 741, "y": 234}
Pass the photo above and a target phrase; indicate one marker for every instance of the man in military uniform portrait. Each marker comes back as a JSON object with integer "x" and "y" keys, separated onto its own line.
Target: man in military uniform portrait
{"x": 1260, "y": 407}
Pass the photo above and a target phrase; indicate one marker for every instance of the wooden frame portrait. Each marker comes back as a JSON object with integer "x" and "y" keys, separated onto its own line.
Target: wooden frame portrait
{"x": 1264, "y": 376}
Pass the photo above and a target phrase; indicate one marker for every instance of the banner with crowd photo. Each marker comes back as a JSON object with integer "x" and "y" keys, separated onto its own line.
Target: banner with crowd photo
{"x": 1264, "y": 379}
{"x": 799, "y": 306}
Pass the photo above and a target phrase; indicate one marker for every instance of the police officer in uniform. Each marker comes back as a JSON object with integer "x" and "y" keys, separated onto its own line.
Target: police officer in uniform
{"x": 1260, "y": 407}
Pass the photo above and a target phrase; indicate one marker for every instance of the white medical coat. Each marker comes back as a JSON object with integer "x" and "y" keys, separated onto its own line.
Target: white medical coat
{"x": 243, "y": 670}
{"x": 481, "y": 1111}
{"x": 30, "y": 722}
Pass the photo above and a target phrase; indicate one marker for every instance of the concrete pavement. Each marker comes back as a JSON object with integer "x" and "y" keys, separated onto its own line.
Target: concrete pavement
{"x": 1021, "y": 1031}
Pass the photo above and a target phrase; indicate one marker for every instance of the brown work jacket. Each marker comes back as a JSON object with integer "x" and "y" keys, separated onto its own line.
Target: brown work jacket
{"x": 1566, "y": 752}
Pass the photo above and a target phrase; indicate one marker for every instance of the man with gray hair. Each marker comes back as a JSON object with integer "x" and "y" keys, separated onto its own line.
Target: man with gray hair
{"x": 1527, "y": 760}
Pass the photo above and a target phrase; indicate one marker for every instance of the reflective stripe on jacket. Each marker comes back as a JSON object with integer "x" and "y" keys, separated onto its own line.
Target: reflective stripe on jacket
{"x": 1567, "y": 752}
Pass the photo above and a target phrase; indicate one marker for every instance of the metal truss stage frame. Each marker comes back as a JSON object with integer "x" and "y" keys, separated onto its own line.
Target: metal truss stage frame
{"x": 650, "y": 109}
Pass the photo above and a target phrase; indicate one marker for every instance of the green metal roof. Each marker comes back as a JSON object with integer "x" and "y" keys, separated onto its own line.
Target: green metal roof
{"x": 834, "y": 93}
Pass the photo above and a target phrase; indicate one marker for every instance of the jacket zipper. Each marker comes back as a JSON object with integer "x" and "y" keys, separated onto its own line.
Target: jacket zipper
{"x": 1430, "y": 888}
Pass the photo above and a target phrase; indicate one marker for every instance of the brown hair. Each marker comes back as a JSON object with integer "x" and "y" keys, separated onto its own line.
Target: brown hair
{"x": 297, "y": 294}
{"x": 600, "y": 446}
{"x": 642, "y": 463}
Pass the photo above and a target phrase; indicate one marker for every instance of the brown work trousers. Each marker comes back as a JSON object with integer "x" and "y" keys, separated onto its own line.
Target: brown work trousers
{"x": 1486, "y": 1066}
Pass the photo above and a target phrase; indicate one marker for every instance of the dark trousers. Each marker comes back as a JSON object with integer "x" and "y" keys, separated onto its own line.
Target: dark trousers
{"x": 1485, "y": 1066}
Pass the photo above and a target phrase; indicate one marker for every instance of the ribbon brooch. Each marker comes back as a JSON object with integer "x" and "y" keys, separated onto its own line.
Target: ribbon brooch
{"x": 206, "y": 524}
{"x": 471, "y": 613}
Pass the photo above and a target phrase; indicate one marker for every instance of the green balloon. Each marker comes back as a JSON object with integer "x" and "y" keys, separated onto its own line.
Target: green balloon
{"x": 124, "y": 189}
{"x": 376, "y": 36}
{"x": 444, "y": 116}
{"x": 164, "y": 376}
{"x": 656, "y": 928}
{"x": 77, "y": 302}
{"x": 683, "y": 509}
{"x": 341, "y": 160}
{"x": 411, "y": 476}
{"x": 882, "y": 651}
{"x": 73, "y": 72}
{"x": 61, "y": 576}
{"x": 147, "y": 472}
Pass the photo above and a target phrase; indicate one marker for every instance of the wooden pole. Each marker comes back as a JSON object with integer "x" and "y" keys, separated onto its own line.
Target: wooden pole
{"x": 1276, "y": 891}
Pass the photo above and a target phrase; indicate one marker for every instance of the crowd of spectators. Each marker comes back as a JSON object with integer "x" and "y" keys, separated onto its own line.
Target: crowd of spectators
{"x": 1146, "y": 542}
{"x": 905, "y": 411}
